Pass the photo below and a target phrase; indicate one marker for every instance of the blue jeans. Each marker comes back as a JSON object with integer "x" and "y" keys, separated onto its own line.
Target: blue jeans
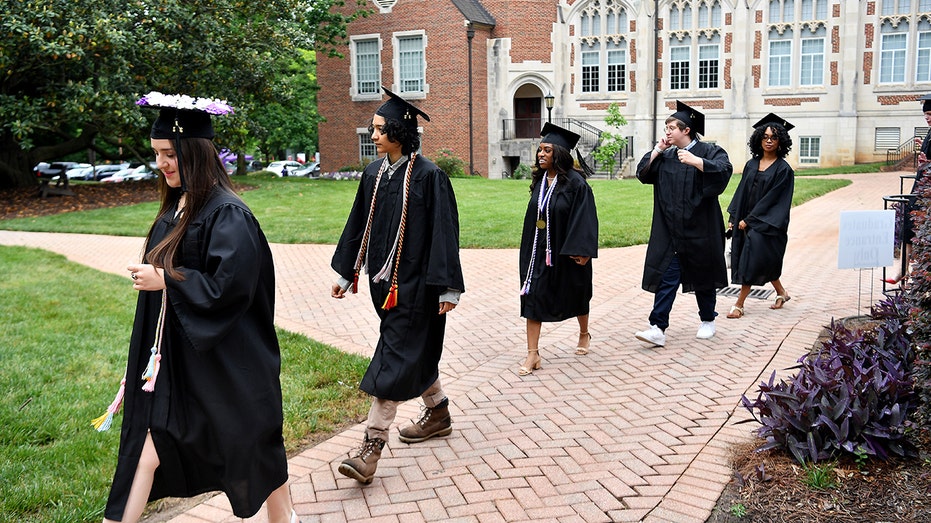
{"x": 666, "y": 295}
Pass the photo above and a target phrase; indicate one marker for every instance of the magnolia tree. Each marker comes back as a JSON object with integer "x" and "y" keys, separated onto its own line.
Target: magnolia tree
{"x": 70, "y": 72}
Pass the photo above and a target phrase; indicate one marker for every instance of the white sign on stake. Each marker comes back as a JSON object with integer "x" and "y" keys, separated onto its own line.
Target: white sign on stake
{"x": 866, "y": 239}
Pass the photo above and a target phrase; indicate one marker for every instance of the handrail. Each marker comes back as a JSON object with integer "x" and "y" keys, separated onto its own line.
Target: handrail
{"x": 898, "y": 154}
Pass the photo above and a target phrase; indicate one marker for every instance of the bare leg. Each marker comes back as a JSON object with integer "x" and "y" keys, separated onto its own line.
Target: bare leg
{"x": 781, "y": 296}
{"x": 737, "y": 310}
{"x": 533, "y": 348}
{"x": 142, "y": 483}
{"x": 584, "y": 337}
{"x": 278, "y": 505}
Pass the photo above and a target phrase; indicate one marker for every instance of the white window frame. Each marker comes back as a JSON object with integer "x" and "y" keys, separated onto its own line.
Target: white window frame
{"x": 809, "y": 150}
{"x": 780, "y": 65}
{"x": 811, "y": 64}
{"x": 354, "y": 67}
{"x": 923, "y": 57}
{"x": 591, "y": 71}
{"x": 402, "y": 83}
{"x": 679, "y": 69}
{"x": 616, "y": 70}
{"x": 365, "y": 140}
{"x": 892, "y": 60}
{"x": 712, "y": 79}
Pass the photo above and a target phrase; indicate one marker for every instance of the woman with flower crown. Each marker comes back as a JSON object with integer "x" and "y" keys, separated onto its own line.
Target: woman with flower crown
{"x": 202, "y": 393}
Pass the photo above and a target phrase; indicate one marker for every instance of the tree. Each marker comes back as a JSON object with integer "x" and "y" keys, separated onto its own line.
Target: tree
{"x": 611, "y": 144}
{"x": 70, "y": 71}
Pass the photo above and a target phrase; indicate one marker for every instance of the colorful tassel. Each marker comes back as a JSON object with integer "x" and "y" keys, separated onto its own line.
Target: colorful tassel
{"x": 104, "y": 422}
{"x": 355, "y": 282}
{"x": 392, "y": 299}
{"x": 549, "y": 258}
{"x": 151, "y": 370}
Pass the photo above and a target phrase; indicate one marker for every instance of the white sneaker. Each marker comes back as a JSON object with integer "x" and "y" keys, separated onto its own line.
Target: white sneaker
{"x": 652, "y": 335}
{"x": 706, "y": 331}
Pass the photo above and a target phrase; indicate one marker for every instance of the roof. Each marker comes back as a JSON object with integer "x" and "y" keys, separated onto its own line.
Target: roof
{"x": 474, "y": 12}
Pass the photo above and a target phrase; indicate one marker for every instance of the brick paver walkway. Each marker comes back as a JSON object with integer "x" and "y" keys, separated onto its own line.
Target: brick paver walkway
{"x": 626, "y": 433}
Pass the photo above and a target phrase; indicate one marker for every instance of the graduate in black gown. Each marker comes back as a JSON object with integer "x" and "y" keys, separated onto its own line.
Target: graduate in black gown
{"x": 923, "y": 150}
{"x": 402, "y": 235}
{"x": 559, "y": 238}
{"x": 201, "y": 394}
{"x": 759, "y": 212}
{"x": 687, "y": 235}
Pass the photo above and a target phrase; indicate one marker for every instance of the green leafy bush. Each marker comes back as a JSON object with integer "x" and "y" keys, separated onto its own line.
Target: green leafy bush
{"x": 451, "y": 164}
{"x": 522, "y": 171}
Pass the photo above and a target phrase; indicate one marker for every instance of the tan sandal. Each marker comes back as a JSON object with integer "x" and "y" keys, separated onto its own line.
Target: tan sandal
{"x": 525, "y": 370}
{"x": 736, "y": 313}
{"x": 580, "y": 350}
{"x": 780, "y": 301}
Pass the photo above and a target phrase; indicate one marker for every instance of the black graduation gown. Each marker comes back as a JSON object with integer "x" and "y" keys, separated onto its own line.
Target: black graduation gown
{"x": 563, "y": 290}
{"x": 687, "y": 218}
{"x": 763, "y": 200}
{"x": 215, "y": 415}
{"x": 410, "y": 344}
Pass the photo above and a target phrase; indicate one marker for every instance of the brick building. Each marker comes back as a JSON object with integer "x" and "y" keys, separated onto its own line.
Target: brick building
{"x": 846, "y": 72}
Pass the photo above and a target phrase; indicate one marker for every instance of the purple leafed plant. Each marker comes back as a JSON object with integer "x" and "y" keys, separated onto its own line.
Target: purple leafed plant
{"x": 853, "y": 396}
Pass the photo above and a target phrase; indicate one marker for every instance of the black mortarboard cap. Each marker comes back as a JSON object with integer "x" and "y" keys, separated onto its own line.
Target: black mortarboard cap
{"x": 690, "y": 117}
{"x": 555, "y": 134}
{"x": 925, "y": 103}
{"x": 181, "y": 123}
{"x": 774, "y": 118}
{"x": 397, "y": 108}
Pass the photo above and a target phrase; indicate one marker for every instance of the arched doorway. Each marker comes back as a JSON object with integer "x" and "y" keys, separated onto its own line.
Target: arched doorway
{"x": 528, "y": 111}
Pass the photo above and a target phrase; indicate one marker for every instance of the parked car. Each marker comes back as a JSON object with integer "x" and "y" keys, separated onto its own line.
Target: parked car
{"x": 83, "y": 171}
{"x": 280, "y": 167}
{"x": 309, "y": 169}
{"x": 132, "y": 174}
{"x": 104, "y": 171}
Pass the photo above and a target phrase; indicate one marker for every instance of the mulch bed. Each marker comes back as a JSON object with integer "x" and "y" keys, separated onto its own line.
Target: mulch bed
{"x": 24, "y": 202}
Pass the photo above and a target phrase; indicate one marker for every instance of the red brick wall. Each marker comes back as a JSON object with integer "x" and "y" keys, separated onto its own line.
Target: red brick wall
{"x": 529, "y": 25}
{"x": 447, "y": 99}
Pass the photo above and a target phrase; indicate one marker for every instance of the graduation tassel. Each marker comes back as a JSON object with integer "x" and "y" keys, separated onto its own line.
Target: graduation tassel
{"x": 104, "y": 422}
{"x": 549, "y": 258}
{"x": 151, "y": 370}
{"x": 392, "y": 299}
{"x": 355, "y": 282}
{"x": 526, "y": 288}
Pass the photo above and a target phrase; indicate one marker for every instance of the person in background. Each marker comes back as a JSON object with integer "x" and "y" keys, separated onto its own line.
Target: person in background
{"x": 923, "y": 152}
{"x": 403, "y": 229}
{"x": 559, "y": 239}
{"x": 202, "y": 394}
{"x": 686, "y": 243}
{"x": 759, "y": 212}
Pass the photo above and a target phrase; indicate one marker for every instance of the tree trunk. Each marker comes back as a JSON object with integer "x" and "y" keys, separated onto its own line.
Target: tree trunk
{"x": 16, "y": 164}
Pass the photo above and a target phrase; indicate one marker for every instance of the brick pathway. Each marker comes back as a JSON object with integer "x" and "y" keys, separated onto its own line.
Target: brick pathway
{"x": 626, "y": 433}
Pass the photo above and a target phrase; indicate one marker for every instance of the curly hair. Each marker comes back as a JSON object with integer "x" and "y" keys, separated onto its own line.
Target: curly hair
{"x": 756, "y": 140}
{"x": 397, "y": 132}
{"x": 562, "y": 164}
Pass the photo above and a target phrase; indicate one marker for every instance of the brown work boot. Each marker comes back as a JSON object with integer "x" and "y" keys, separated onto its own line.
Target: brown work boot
{"x": 361, "y": 467}
{"x": 433, "y": 422}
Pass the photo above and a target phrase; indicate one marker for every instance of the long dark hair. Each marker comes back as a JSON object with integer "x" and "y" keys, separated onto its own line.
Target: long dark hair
{"x": 203, "y": 172}
{"x": 562, "y": 164}
{"x": 756, "y": 140}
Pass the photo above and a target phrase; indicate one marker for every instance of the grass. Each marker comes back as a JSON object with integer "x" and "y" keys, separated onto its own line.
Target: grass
{"x": 63, "y": 354}
{"x": 301, "y": 210}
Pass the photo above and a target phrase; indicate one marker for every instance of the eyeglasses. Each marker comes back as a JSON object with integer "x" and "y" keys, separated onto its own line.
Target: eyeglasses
{"x": 770, "y": 139}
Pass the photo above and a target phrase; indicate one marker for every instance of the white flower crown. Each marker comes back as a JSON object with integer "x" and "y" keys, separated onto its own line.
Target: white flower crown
{"x": 183, "y": 101}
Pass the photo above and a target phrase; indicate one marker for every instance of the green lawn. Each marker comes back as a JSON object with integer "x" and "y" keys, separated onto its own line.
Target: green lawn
{"x": 300, "y": 210}
{"x": 62, "y": 353}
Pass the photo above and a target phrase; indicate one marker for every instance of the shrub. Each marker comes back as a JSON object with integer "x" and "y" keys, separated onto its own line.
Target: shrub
{"x": 918, "y": 297}
{"x": 522, "y": 171}
{"x": 451, "y": 164}
{"x": 854, "y": 396}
